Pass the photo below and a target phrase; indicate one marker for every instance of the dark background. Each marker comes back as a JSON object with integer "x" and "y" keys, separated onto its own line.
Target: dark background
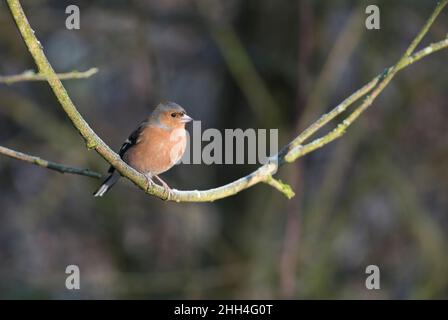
{"x": 376, "y": 196}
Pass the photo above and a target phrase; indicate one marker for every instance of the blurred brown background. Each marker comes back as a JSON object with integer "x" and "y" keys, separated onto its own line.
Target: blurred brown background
{"x": 376, "y": 196}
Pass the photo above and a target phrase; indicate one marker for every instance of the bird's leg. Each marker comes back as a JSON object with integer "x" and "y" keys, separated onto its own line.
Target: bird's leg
{"x": 149, "y": 181}
{"x": 166, "y": 187}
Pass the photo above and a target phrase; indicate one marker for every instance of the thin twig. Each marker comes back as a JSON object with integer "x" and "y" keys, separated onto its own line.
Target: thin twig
{"x": 30, "y": 75}
{"x": 62, "y": 168}
{"x": 263, "y": 174}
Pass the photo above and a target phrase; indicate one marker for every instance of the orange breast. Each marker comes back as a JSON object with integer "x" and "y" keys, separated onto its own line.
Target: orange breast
{"x": 157, "y": 150}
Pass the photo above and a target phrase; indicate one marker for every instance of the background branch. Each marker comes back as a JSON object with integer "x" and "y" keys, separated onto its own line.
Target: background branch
{"x": 47, "y": 164}
{"x": 30, "y": 75}
{"x": 263, "y": 174}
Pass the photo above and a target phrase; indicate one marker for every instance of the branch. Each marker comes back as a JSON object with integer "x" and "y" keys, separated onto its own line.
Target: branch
{"x": 280, "y": 186}
{"x": 30, "y": 75}
{"x": 290, "y": 153}
{"x": 47, "y": 164}
{"x": 295, "y": 149}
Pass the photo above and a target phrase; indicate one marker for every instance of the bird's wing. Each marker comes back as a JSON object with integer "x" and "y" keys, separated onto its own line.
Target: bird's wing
{"x": 131, "y": 141}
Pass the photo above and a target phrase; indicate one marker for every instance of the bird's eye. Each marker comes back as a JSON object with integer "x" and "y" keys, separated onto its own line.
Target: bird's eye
{"x": 173, "y": 115}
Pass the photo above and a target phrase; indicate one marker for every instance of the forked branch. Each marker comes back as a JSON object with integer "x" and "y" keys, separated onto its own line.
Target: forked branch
{"x": 289, "y": 153}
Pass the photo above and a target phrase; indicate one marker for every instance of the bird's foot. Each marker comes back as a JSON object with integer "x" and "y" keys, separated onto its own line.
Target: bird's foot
{"x": 168, "y": 190}
{"x": 149, "y": 182}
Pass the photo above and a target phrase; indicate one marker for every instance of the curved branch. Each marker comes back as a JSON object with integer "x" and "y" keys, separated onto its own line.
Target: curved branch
{"x": 32, "y": 76}
{"x": 47, "y": 164}
{"x": 290, "y": 153}
{"x": 295, "y": 149}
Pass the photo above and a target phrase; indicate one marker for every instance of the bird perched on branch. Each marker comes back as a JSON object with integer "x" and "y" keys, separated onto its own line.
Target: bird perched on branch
{"x": 154, "y": 147}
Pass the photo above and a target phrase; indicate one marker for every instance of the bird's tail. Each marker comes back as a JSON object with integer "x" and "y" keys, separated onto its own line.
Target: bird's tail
{"x": 107, "y": 184}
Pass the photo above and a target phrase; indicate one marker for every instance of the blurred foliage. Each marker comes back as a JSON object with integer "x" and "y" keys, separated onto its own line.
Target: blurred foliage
{"x": 377, "y": 196}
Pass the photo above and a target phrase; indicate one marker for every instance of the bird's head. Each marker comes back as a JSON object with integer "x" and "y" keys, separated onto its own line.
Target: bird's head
{"x": 171, "y": 115}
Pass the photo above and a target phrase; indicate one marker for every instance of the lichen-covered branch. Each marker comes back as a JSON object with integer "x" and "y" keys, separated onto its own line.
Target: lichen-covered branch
{"x": 30, "y": 75}
{"x": 280, "y": 186}
{"x": 295, "y": 149}
{"x": 296, "y": 144}
{"x": 91, "y": 138}
{"x": 264, "y": 174}
{"x": 47, "y": 164}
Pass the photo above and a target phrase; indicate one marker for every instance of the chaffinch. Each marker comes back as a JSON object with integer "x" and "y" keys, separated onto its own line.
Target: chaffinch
{"x": 156, "y": 146}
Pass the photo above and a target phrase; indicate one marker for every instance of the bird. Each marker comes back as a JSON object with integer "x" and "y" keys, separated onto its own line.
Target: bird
{"x": 154, "y": 147}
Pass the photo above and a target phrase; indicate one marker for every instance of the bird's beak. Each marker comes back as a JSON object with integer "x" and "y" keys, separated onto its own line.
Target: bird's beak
{"x": 185, "y": 118}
